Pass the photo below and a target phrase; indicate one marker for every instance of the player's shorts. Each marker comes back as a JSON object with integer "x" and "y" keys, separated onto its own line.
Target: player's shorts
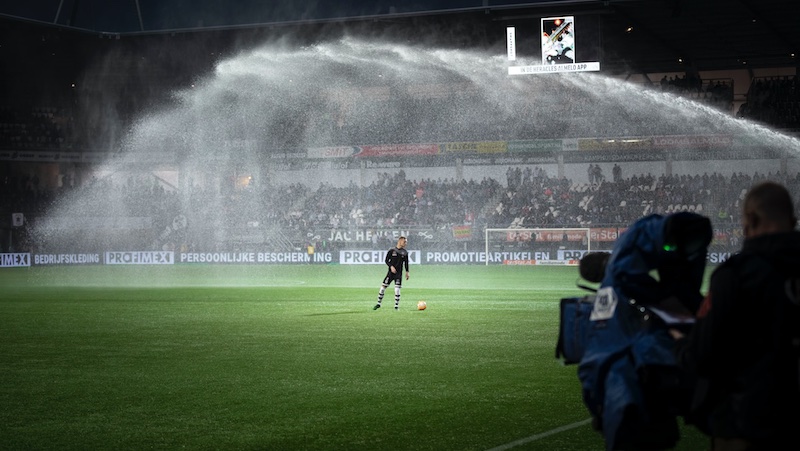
{"x": 398, "y": 278}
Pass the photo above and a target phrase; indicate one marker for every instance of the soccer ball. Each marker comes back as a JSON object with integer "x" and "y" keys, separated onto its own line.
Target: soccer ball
{"x": 422, "y": 305}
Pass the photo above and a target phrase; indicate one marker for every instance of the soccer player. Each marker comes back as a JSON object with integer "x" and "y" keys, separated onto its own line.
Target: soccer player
{"x": 396, "y": 259}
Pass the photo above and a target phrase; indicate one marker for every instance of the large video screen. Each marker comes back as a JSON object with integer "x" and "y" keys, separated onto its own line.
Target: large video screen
{"x": 558, "y": 40}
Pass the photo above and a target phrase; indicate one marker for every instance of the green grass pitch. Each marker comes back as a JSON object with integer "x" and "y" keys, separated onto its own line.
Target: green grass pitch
{"x": 288, "y": 358}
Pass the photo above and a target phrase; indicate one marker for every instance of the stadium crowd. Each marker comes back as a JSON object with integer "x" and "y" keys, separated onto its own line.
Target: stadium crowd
{"x": 774, "y": 101}
{"x": 529, "y": 198}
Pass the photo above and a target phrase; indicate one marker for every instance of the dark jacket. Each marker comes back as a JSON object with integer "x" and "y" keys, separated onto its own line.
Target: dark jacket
{"x": 741, "y": 346}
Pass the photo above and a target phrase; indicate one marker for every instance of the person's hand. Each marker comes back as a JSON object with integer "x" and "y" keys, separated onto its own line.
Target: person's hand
{"x": 407, "y": 274}
{"x": 394, "y": 271}
{"x": 676, "y": 334}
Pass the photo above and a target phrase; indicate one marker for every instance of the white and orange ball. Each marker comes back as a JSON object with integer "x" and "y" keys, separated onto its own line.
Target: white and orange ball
{"x": 422, "y": 305}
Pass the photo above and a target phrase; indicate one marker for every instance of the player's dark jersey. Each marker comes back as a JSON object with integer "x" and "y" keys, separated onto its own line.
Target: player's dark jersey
{"x": 397, "y": 258}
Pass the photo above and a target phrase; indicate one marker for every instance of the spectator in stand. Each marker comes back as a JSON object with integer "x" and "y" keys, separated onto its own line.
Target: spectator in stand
{"x": 598, "y": 174}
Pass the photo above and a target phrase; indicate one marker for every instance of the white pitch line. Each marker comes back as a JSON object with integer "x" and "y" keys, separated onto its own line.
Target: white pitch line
{"x": 525, "y": 440}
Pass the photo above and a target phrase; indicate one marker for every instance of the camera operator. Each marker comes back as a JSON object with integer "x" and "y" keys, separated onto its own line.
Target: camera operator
{"x": 744, "y": 345}
{"x": 630, "y": 380}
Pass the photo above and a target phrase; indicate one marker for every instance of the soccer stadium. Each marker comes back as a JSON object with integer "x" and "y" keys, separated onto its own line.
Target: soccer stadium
{"x": 197, "y": 200}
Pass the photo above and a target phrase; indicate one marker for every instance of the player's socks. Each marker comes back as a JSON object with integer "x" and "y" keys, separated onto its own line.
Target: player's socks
{"x": 396, "y": 298}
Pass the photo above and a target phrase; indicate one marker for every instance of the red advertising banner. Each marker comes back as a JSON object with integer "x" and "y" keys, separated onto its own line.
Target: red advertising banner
{"x": 597, "y": 234}
{"x": 558, "y": 235}
{"x": 519, "y": 235}
{"x": 604, "y": 234}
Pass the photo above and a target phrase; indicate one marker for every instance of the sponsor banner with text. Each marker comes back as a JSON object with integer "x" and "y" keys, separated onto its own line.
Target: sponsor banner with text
{"x": 536, "y": 145}
{"x": 140, "y": 258}
{"x": 331, "y": 152}
{"x": 476, "y": 146}
{"x": 391, "y": 150}
{"x": 370, "y": 257}
{"x": 604, "y": 234}
{"x": 67, "y": 259}
{"x": 374, "y": 236}
{"x": 692, "y": 141}
{"x": 575, "y": 254}
{"x": 614, "y": 143}
{"x": 462, "y": 232}
{"x": 541, "y": 262}
{"x": 15, "y": 259}
{"x": 557, "y": 236}
{"x": 255, "y": 257}
{"x": 345, "y": 257}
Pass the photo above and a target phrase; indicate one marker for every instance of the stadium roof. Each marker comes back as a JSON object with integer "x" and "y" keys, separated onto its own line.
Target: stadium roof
{"x": 643, "y": 36}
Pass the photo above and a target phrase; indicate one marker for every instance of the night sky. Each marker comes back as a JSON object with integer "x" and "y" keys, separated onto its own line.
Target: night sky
{"x": 121, "y": 16}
